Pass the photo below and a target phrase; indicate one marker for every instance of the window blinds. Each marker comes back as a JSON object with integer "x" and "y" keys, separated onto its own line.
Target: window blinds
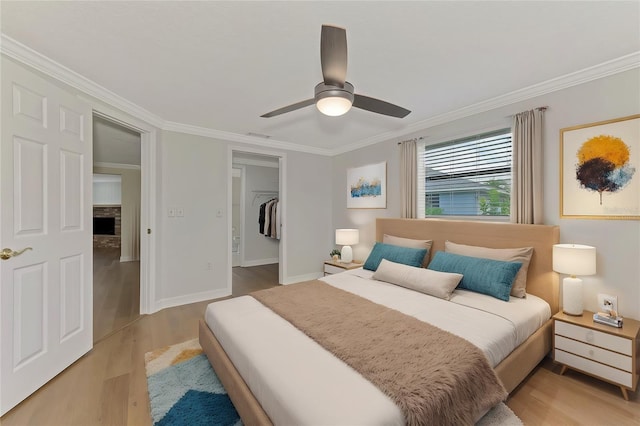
{"x": 465, "y": 177}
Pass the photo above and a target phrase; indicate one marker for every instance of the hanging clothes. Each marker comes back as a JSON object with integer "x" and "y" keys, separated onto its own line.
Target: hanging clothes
{"x": 261, "y": 217}
{"x": 269, "y": 218}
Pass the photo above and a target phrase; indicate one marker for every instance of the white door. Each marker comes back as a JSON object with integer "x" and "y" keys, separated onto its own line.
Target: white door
{"x": 45, "y": 204}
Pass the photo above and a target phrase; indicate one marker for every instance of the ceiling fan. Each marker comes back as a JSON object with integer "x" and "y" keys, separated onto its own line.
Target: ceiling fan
{"x": 334, "y": 96}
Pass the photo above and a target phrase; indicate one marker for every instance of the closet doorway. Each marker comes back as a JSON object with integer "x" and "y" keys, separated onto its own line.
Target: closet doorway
{"x": 116, "y": 226}
{"x": 256, "y": 221}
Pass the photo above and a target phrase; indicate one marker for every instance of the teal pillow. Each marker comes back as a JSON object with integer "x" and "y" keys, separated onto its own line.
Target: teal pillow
{"x": 406, "y": 255}
{"x": 486, "y": 276}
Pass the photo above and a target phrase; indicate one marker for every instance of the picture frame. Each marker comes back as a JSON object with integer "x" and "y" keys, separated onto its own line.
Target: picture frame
{"x": 367, "y": 186}
{"x": 600, "y": 170}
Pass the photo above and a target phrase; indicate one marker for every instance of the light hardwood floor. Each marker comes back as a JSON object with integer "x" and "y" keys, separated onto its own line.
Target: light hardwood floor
{"x": 108, "y": 385}
{"x": 116, "y": 292}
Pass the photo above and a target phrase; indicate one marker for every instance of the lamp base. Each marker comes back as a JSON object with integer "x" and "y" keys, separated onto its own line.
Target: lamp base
{"x": 346, "y": 255}
{"x": 572, "y": 296}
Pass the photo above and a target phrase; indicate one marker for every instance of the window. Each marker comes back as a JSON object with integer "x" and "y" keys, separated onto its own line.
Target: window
{"x": 466, "y": 177}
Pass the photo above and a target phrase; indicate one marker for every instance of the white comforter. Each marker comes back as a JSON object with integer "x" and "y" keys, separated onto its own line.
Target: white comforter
{"x": 297, "y": 382}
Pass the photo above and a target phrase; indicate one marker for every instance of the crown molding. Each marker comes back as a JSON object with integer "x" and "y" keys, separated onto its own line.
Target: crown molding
{"x": 117, "y": 166}
{"x": 24, "y": 54}
{"x": 235, "y": 137}
{"x": 18, "y": 51}
{"x": 614, "y": 66}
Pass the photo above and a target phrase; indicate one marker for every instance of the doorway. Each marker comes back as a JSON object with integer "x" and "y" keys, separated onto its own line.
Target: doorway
{"x": 257, "y": 217}
{"x": 116, "y": 216}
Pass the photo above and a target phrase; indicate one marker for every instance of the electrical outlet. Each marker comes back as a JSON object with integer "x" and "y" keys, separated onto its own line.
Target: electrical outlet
{"x": 607, "y": 303}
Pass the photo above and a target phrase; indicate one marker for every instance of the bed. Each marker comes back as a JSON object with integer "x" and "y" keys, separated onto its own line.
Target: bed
{"x": 263, "y": 388}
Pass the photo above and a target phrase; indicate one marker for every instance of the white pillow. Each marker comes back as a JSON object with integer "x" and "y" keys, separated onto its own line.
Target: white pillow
{"x": 523, "y": 255}
{"x": 408, "y": 242}
{"x": 433, "y": 283}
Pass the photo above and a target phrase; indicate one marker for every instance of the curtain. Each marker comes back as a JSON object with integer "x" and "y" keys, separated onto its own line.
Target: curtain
{"x": 526, "y": 169}
{"x": 408, "y": 178}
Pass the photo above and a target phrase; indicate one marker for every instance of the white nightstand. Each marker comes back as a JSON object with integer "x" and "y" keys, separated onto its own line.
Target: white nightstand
{"x": 608, "y": 353}
{"x": 333, "y": 267}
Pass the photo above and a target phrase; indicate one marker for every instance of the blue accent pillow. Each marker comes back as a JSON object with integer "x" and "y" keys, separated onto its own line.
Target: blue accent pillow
{"x": 486, "y": 276}
{"x": 406, "y": 255}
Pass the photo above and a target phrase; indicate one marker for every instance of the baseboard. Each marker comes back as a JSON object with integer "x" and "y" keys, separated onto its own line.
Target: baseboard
{"x": 189, "y": 298}
{"x": 128, "y": 259}
{"x": 305, "y": 277}
{"x": 259, "y": 262}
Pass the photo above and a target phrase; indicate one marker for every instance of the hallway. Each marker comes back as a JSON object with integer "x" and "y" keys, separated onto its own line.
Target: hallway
{"x": 116, "y": 292}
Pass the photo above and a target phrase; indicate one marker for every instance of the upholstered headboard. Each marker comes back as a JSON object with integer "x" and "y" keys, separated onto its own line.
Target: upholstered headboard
{"x": 541, "y": 280}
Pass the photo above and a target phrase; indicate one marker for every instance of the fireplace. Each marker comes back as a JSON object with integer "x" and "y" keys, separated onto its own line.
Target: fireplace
{"x": 104, "y": 226}
{"x": 107, "y": 226}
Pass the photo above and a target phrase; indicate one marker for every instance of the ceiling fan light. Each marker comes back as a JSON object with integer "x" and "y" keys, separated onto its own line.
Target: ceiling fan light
{"x": 333, "y": 105}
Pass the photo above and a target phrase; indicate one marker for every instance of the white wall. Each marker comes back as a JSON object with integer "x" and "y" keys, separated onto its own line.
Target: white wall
{"x": 617, "y": 241}
{"x": 194, "y": 178}
{"x": 107, "y": 192}
{"x": 258, "y": 249}
{"x": 193, "y": 252}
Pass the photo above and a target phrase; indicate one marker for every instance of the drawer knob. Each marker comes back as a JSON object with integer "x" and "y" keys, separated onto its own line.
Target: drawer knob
{"x": 590, "y": 336}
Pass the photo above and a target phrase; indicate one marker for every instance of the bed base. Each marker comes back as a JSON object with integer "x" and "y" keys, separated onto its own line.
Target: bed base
{"x": 511, "y": 371}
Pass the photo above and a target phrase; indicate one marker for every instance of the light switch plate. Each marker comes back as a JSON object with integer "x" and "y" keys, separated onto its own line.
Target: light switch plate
{"x": 180, "y": 212}
{"x": 607, "y": 302}
{"x": 172, "y": 212}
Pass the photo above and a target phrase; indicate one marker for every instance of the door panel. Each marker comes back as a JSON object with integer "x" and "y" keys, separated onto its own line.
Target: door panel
{"x": 71, "y": 187}
{"x": 46, "y": 309}
{"x": 30, "y": 184}
{"x": 29, "y": 294}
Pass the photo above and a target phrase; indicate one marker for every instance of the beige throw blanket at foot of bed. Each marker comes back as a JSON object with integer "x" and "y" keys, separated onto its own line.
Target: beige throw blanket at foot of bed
{"x": 434, "y": 376}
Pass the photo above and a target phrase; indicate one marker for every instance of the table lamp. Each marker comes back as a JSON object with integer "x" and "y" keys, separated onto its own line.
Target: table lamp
{"x": 573, "y": 259}
{"x": 346, "y": 238}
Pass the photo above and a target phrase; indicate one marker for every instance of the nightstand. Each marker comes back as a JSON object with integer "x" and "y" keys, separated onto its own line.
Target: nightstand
{"x": 608, "y": 353}
{"x": 333, "y": 267}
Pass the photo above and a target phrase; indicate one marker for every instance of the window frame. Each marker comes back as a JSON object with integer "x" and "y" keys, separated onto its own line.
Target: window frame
{"x": 422, "y": 195}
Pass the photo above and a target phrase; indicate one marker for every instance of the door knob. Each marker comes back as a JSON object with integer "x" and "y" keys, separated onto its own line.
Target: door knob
{"x": 7, "y": 253}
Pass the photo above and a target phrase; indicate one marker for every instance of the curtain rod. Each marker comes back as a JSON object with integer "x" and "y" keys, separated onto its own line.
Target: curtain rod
{"x": 542, "y": 108}
{"x": 417, "y": 139}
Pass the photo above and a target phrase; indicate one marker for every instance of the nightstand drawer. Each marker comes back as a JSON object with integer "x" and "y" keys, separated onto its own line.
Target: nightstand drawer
{"x": 604, "y": 356}
{"x": 595, "y": 368}
{"x": 330, "y": 269}
{"x": 593, "y": 337}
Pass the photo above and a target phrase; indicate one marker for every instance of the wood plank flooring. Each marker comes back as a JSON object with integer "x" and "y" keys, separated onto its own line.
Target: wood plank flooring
{"x": 108, "y": 385}
{"x": 116, "y": 292}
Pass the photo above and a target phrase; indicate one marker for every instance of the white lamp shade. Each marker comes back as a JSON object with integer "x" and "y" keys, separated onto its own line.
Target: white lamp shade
{"x": 574, "y": 259}
{"x": 347, "y": 237}
{"x": 333, "y": 105}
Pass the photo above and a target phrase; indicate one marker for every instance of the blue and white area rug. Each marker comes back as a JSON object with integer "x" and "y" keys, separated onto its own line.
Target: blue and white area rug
{"x": 184, "y": 389}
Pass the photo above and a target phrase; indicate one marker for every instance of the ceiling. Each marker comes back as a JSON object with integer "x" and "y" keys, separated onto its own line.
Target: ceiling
{"x": 220, "y": 65}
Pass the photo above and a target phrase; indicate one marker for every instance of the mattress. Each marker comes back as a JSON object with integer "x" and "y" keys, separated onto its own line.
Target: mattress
{"x": 298, "y": 382}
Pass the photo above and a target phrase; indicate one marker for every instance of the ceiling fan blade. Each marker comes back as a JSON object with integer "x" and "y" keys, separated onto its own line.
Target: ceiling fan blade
{"x": 333, "y": 55}
{"x": 381, "y": 107}
{"x": 289, "y": 108}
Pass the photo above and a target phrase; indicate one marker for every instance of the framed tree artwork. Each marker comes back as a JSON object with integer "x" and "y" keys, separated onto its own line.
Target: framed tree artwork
{"x": 600, "y": 170}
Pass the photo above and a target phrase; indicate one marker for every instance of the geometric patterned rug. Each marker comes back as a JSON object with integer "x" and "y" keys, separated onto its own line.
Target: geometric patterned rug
{"x": 184, "y": 389}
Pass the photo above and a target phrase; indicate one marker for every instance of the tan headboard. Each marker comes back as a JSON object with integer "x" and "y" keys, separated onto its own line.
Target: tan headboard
{"x": 541, "y": 280}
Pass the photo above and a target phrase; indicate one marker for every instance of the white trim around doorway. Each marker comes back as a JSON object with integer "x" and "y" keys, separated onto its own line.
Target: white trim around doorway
{"x": 282, "y": 162}
{"x": 148, "y": 168}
